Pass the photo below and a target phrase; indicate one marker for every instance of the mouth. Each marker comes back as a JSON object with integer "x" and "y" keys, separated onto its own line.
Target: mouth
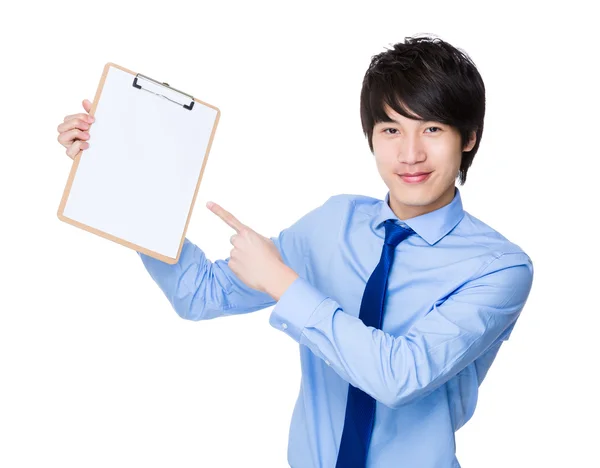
{"x": 415, "y": 178}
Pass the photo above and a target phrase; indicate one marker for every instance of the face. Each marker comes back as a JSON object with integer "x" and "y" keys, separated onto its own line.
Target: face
{"x": 409, "y": 146}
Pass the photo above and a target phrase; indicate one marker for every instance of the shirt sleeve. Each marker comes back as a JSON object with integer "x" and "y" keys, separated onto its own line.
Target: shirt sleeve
{"x": 199, "y": 289}
{"x": 395, "y": 370}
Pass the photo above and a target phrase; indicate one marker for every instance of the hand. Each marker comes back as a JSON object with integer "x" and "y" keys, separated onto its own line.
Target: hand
{"x": 254, "y": 258}
{"x": 72, "y": 132}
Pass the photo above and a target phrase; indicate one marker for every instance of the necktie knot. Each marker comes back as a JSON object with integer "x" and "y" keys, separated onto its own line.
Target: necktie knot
{"x": 394, "y": 233}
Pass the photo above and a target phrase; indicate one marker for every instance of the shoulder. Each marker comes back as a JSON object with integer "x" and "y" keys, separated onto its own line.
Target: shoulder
{"x": 500, "y": 273}
{"x": 342, "y": 207}
{"x": 348, "y": 199}
{"x": 325, "y": 217}
{"x": 338, "y": 204}
{"x": 354, "y": 202}
{"x": 501, "y": 250}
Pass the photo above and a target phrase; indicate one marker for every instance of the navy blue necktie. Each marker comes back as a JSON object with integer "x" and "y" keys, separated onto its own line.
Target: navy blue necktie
{"x": 360, "y": 407}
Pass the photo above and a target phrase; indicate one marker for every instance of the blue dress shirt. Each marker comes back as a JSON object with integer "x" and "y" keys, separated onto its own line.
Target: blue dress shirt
{"x": 455, "y": 291}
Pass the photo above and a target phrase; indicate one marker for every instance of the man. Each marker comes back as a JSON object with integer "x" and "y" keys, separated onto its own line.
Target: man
{"x": 400, "y": 305}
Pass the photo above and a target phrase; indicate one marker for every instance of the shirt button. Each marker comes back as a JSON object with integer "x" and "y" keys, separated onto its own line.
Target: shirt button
{"x": 327, "y": 362}
{"x": 284, "y": 326}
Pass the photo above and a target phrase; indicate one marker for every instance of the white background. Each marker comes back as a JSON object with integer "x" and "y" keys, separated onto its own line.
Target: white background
{"x": 97, "y": 370}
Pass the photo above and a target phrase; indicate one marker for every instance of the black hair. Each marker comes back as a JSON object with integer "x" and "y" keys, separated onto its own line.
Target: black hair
{"x": 431, "y": 78}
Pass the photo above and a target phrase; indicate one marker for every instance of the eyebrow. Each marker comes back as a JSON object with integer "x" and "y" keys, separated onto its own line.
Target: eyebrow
{"x": 390, "y": 120}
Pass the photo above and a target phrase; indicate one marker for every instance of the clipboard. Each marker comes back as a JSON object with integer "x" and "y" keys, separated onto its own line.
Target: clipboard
{"x": 137, "y": 182}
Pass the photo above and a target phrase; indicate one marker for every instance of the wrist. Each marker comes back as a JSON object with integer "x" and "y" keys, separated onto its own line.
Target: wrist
{"x": 283, "y": 280}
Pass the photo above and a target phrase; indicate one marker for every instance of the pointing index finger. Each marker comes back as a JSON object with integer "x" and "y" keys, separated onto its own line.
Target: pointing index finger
{"x": 225, "y": 216}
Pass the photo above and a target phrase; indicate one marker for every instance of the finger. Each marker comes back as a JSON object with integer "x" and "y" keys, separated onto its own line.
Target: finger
{"x": 226, "y": 216}
{"x": 67, "y": 138}
{"x": 87, "y": 105}
{"x": 82, "y": 115}
{"x": 75, "y": 122}
{"x": 76, "y": 148}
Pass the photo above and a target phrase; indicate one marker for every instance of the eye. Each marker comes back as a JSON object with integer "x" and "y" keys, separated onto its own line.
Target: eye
{"x": 395, "y": 132}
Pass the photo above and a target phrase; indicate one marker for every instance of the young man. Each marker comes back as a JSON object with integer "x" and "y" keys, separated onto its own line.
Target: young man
{"x": 400, "y": 305}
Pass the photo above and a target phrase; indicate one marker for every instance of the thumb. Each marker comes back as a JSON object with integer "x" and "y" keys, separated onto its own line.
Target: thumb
{"x": 87, "y": 105}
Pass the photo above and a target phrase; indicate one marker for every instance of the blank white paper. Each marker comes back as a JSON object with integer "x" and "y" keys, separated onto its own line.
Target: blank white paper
{"x": 137, "y": 179}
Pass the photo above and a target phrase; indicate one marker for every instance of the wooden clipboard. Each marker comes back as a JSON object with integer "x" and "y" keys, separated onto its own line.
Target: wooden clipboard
{"x": 137, "y": 183}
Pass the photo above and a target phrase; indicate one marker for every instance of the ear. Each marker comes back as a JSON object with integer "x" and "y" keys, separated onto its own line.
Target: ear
{"x": 469, "y": 145}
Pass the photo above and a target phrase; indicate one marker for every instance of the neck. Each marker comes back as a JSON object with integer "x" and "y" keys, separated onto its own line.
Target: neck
{"x": 407, "y": 212}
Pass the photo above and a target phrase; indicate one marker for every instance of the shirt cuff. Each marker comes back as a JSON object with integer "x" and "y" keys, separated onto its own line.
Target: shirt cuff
{"x": 295, "y": 306}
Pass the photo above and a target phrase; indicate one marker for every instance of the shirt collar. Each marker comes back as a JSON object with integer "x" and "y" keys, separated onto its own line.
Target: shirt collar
{"x": 430, "y": 226}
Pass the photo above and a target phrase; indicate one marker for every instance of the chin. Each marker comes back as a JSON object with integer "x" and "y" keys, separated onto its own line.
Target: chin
{"x": 415, "y": 199}
{"x": 418, "y": 195}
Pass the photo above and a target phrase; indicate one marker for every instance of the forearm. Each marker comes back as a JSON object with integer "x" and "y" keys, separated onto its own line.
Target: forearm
{"x": 199, "y": 289}
{"x": 397, "y": 369}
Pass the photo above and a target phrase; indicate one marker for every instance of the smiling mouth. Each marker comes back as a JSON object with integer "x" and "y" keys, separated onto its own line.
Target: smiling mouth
{"x": 415, "y": 179}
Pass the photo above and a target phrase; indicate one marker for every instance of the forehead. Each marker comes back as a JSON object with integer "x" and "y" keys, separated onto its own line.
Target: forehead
{"x": 392, "y": 113}
{"x": 399, "y": 118}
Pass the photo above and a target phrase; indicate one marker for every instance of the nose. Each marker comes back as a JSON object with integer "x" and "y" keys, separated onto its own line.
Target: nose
{"x": 412, "y": 150}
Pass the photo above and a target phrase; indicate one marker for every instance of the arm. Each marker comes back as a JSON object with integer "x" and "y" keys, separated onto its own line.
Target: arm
{"x": 199, "y": 289}
{"x": 398, "y": 369}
